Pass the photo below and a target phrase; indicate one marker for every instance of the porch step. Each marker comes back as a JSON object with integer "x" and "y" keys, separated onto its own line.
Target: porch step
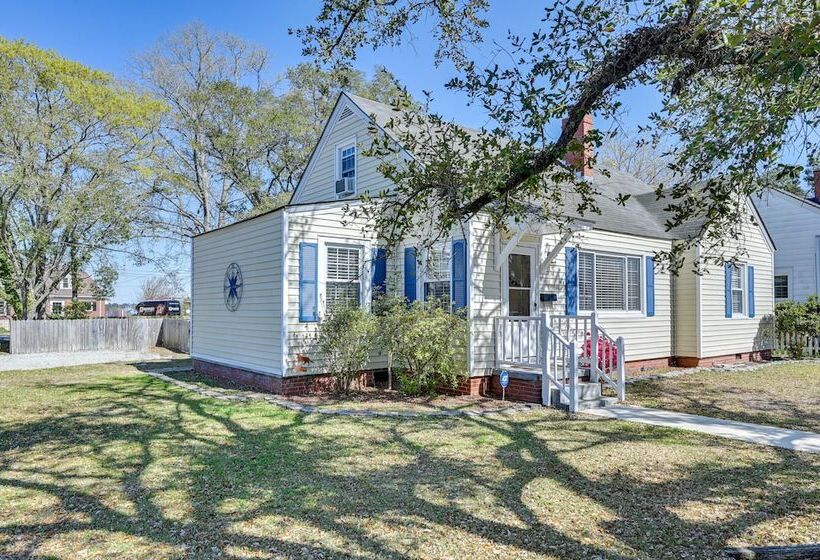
{"x": 589, "y": 396}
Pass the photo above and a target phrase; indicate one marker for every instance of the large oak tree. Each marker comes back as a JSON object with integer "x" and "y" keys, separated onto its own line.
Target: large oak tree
{"x": 739, "y": 82}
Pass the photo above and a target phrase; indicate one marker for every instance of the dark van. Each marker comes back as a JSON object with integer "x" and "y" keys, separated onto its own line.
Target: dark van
{"x": 159, "y": 307}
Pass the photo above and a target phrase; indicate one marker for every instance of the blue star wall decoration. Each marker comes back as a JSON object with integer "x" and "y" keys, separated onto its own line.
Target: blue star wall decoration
{"x": 232, "y": 288}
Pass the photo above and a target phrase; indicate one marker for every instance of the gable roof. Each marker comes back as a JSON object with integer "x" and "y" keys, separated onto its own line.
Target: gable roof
{"x": 643, "y": 213}
{"x": 811, "y": 204}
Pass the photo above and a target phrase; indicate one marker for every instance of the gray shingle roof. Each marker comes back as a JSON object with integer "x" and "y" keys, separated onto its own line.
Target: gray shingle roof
{"x": 643, "y": 214}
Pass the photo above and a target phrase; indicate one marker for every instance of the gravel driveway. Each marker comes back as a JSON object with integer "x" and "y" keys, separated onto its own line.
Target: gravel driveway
{"x": 10, "y": 362}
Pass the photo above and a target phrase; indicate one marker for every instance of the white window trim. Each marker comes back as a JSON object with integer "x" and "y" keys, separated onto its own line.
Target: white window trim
{"x": 615, "y": 313}
{"x": 424, "y": 277}
{"x": 365, "y": 248}
{"x": 744, "y": 296}
{"x": 349, "y": 143}
{"x": 60, "y": 303}
{"x": 65, "y": 283}
{"x": 789, "y": 274}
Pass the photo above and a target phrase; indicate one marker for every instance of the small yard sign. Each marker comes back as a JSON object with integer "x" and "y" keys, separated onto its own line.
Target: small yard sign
{"x": 504, "y": 379}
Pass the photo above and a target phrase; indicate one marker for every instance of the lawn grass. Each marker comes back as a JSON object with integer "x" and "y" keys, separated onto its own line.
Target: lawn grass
{"x": 106, "y": 462}
{"x": 785, "y": 395}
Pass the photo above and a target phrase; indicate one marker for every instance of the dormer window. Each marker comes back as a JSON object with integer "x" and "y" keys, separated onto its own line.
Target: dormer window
{"x": 66, "y": 283}
{"x": 346, "y": 174}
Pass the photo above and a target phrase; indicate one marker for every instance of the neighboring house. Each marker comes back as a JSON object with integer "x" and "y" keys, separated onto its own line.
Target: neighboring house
{"x": 794, "y": 223}
{"x": 261, "y": 286}
{"x": 61, "y": 297}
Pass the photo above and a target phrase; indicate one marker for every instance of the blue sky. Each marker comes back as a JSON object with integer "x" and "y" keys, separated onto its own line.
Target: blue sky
{"x": 106, "y": 35}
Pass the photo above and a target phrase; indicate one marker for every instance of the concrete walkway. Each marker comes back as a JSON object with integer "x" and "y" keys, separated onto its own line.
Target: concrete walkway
{"x": 13, "y": 362}
{"x": 754, "y": 433}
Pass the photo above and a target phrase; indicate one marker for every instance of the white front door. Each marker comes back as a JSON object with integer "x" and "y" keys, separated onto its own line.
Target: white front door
{"x": 519, "y": 298}
{"x": 519, "y": 283}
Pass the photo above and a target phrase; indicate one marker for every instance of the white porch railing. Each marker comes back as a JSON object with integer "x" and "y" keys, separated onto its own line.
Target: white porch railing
{"x": 560, "y": 346}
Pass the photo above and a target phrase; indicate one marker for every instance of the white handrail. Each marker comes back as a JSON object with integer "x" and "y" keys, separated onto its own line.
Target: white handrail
{"x": 612, "y": 361}
{"x": 559, "y": 366}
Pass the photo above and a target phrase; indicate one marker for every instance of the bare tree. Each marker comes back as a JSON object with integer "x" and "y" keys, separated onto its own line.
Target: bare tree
{"x": 637, "y": 155}
{"x": 159, "y": 287}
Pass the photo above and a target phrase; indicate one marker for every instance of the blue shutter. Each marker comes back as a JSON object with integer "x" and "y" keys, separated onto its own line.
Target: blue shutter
{"x": 751, "y": 288}
{"x": 727, "y": 272}
{"x": 571, "y": 280}
{"x": 308, "y": 286}
{"x": 650, "y": 286}
{"x": 410, "y": 274}
{"x": 459, "y": 274}
{"x": 379, "y": 271}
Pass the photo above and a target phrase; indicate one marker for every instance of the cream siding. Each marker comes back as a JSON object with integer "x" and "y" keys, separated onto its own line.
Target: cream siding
{"x": 645, "y": 337}
{"x": 249, "y": 337}
{"x": 318, "y": 225}
{"x": 319, "y": 182}
{"x": 721, "y": 336}
{"x": 686, "y": 308}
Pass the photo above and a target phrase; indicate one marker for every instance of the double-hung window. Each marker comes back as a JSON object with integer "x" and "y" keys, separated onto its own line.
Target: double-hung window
{"x": 609, "y": 282}
{"x": 781, "y": 286}
{"x": 437, "y": 275}
{"x": 738, "y": 289}
{"x": 65, "y": 284}
{"x": 343, "y": 282}
{"x": 347, "y": 162}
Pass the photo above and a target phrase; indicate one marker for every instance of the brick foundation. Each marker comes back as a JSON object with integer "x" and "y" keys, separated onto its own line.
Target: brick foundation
{"x": 297, "y": 385}
{"x": 474, "y": 386}
{"x": 757, "y": 356}
{"x": 641, "y": 365}
{"x": 525, "y": 390}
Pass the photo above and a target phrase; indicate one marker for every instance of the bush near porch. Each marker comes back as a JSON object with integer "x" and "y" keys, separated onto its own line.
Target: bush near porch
{"x": 425, "y": 344}
{"x": 107, "y": 462}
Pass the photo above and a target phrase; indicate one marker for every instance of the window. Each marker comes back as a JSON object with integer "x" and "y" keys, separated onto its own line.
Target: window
{"x": 738, "y": 289}
{"x": 93, "y": 306}
{"x": 343, "y": 283}
{"x": 57, "y": 307}
{"x": 781, "y": 286}
{"x": 3, "y": 310}
{"x": 66, "y": 283}
{"x": 609, "y": 282}
{"x": 347, "y": 162}
{"x": 437, "y": 275}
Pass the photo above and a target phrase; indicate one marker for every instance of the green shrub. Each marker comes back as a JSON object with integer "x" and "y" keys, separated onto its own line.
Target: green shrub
{"x": 431, "y": 348}
{"x": 801, "y": 319}
{"x": 73, "y": 310}
{"x": 346, "y": 338}
{"x": 390, "y": 313}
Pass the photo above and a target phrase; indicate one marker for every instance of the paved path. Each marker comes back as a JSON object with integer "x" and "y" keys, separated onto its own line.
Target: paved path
{"x": 754, "y": 433}
{"x": 11, "y": 362}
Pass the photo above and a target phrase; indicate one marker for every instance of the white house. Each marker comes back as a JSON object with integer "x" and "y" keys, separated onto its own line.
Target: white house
{"x": 794, "y": 224}
{"x": 261, "y": 286}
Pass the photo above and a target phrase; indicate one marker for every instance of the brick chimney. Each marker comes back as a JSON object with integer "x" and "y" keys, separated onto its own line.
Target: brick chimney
{"x": 580, "y": 161}
{"x": 816, "y": 183}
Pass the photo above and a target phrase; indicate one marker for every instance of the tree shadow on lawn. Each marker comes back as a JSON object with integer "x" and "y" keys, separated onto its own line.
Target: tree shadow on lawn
{"x": 259, "y": 481}
{"x": 696, "y": 397}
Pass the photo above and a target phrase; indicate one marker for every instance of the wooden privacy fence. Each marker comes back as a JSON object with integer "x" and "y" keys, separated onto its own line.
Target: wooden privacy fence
{"x": 133, "y": 333}
{"x": 175, "y": 334}
{"x": 809, "y": 344}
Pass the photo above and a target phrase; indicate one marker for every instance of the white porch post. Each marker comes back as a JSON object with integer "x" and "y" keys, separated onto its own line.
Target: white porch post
{"x": 619, "y": 343}
{"x": 573, "y": 376}
{"x": 593, "y": 348}
{"x": 546, "y": 392}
